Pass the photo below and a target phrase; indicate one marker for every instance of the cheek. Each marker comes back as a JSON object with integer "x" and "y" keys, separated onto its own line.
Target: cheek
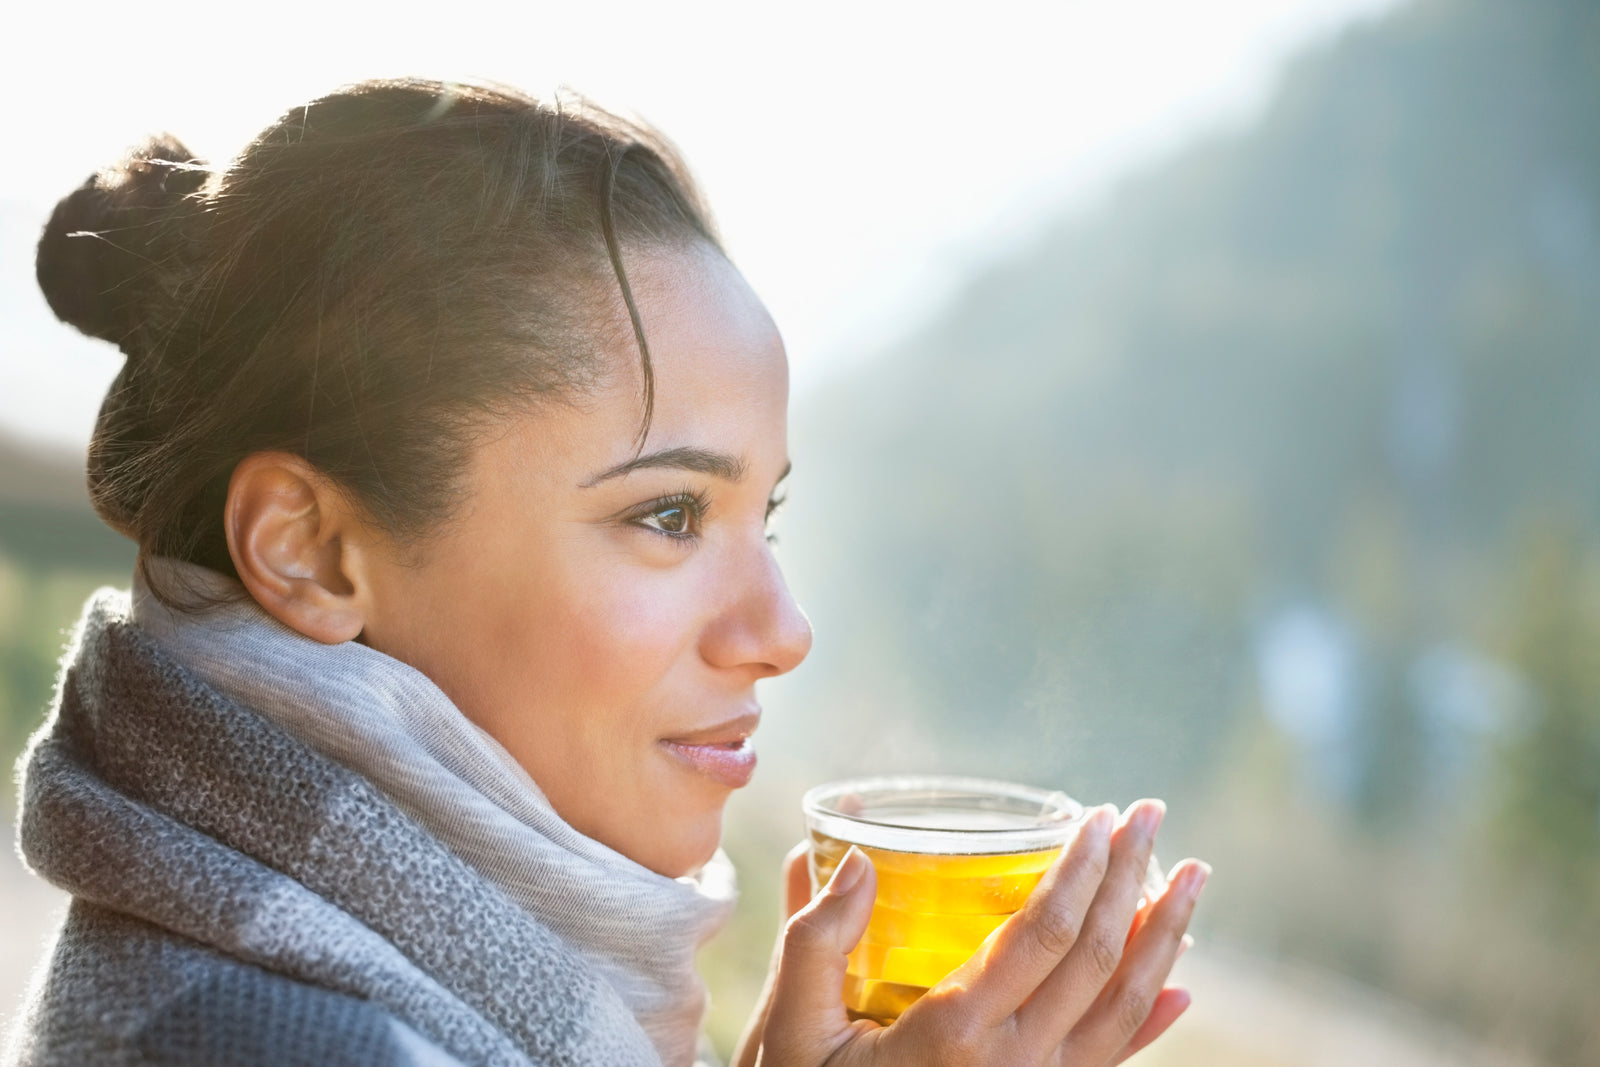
{"x": 606, "y": 640}
{"x": 635, "y": 627}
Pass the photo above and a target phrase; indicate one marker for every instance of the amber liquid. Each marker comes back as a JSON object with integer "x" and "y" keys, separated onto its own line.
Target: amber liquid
{"x": 931, "y": 914}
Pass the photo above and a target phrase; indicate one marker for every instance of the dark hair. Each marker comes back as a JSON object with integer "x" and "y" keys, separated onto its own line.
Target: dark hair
{"x": 371, "y": 277}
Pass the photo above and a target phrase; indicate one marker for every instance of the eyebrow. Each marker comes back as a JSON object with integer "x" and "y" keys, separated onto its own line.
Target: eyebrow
{"x": 703, "y": 461}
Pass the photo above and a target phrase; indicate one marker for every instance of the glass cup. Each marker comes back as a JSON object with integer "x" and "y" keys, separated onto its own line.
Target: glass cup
{"x": 954, "y": 857}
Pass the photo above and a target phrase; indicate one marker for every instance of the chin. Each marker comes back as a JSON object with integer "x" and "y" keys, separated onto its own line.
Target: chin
{"x": 684, "y": 853}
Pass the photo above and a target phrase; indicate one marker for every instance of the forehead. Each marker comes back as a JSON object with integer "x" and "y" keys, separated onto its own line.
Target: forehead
{"x": 715, "y": 352}
{"x": 721, "y": 379}
{"x": 720, "y": 385}
{"x": 720, "y": 376}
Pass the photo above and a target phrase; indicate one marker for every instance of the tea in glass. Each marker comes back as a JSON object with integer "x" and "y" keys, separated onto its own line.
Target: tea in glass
{"x": 955, "y": 857}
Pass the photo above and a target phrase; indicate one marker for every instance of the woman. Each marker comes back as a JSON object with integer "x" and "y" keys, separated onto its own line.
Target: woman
{"x": 450, "y": 437}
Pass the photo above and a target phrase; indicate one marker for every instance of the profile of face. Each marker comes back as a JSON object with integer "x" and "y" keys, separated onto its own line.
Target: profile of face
{"x": 428, "y": 451}
{"x": 605, "y": 615}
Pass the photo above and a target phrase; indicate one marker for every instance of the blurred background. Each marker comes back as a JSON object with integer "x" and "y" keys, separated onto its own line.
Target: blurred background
{"x": 1199, "y": 401}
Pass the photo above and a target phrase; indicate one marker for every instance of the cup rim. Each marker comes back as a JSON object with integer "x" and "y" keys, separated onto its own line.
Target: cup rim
{"x": 1052, "y": 832}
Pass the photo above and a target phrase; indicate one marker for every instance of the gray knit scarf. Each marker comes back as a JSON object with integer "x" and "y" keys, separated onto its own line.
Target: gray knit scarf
{"x": 282, "y": 845}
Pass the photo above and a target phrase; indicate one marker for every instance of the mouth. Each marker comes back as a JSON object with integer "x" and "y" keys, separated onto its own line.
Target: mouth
{"x": 722, "y": 752}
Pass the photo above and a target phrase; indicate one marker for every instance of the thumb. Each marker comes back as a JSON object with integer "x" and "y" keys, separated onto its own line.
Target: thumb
{"x": 807, "y": 1019}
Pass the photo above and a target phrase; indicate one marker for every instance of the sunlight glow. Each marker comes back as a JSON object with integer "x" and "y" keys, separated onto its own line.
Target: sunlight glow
{"x": 861, "y": 157}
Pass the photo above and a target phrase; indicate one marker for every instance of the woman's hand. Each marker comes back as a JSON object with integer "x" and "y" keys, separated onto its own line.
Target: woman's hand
{"x": 1061, "y": 982}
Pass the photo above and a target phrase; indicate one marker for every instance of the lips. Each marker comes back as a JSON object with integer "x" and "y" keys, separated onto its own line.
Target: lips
{"x": 721, "y": 752}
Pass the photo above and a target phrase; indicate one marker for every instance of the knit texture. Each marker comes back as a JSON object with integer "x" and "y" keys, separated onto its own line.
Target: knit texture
{"x": 241, "y": 897}
{"x": 393, "y": 726}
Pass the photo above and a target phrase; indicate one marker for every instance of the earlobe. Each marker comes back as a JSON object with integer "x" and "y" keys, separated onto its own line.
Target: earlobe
{"x": 295, "y": 539}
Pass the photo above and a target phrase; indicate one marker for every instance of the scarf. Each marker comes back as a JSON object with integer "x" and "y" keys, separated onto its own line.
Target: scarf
{"x": 324, "y": 812}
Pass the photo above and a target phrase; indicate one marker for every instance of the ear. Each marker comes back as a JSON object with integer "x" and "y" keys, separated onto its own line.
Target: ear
{"x": 299, "y": 545}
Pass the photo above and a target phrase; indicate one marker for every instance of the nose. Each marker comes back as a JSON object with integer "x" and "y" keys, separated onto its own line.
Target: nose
{"x": 762, "y": 630}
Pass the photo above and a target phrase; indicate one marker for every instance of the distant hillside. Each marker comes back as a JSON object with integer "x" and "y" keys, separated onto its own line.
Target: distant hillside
{"x": 1278, "y": 477}
{"x": 1369, "y": 327}
{"x": 45, "y": 517}
{"x": 40, "y": 474}
{"x": 53, "y": 551}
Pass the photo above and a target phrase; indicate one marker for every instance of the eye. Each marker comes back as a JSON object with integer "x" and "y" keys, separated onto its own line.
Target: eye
{"x": 774, "y": 506}
{"x": 674, "y": 520}
{"x": 678, "y": 516}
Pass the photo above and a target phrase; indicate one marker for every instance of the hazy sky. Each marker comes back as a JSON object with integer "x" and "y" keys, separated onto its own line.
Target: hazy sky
{"x": 860, "y": 156}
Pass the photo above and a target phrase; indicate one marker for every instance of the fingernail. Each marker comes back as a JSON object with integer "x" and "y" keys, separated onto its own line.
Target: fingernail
{"x": 848, "y": 873}
{"x": 1194, "y": 878}
{"x": 1188, "y": 943}
{"x": 1101, "y": 820}
{"x": 1149, "y": 816}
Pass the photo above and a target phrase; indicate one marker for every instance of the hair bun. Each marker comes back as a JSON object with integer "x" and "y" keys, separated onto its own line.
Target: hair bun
{"x": 117, "y": 242}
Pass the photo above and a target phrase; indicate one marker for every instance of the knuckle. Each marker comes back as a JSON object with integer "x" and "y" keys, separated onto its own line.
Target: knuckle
{"x": 805, "y": 931}
{"x": 1133, "y": 1006}
{"x": 1105, "y": 953}
{"x": 1055, "y": 930}
{"x": 1099, "y": 862}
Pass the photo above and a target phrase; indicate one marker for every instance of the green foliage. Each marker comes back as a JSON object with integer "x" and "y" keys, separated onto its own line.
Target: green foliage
{"x": 53, "y": 553}
{"x": 38, "y": 608}
{"x": 1547, "y": 816}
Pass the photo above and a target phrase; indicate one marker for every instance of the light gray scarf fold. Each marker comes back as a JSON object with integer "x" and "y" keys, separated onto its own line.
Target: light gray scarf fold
{"x": 240, "y": 897}
{"x": 130, "y": 803}
{"x": 390, "y": 724}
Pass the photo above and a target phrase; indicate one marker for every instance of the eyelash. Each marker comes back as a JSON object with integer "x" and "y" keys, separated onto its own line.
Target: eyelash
{"x": 696, "y": 504}
{"x": 692, "y": 501}
{"x": 774, "y": 506}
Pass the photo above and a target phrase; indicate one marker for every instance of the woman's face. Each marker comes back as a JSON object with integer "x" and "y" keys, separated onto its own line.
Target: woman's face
{"x": 606, "y": 616}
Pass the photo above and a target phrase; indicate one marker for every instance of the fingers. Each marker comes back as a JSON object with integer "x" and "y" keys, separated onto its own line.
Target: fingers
{"x": 1064, "y": 996}
{"x": 1170, "y": 1003}
{"x": 806, "y": 1017}
{"x": 1130, "y": 998}
{"x": 1146, "y": 899}
{"x": 1030, "y": 944}
{"x": 796, "y": 880}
